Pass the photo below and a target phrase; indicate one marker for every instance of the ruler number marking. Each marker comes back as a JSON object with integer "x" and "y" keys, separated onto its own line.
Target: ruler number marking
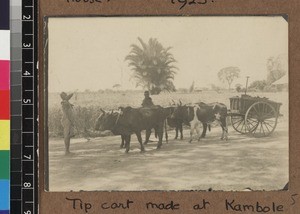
{"x": 26, "y": 17}
{"x": 27, "y": 157}
{"x": 27, "y": 45}
{"x": 27, "y": 185}
{"x": 26, "y": 101}
{"x": 26, "y": 73}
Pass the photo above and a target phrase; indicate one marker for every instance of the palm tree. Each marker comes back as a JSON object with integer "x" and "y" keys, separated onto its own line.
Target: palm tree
{"x": 152, "y": 65}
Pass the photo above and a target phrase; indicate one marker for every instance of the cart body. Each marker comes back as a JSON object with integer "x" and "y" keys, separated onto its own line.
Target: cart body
{"x": 254, "y": 115}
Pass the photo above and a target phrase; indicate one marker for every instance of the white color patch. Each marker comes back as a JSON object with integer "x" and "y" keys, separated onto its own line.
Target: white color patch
{"x": 4, "y": 45}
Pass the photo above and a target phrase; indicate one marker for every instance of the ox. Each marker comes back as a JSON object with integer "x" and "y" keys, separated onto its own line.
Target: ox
{"x": 205, "y": 114}
{"x": 133, "y": 121}
{"x": 170, "y": 121}
{"x": 116, "y": 130}
{"x": 175, "y": 122}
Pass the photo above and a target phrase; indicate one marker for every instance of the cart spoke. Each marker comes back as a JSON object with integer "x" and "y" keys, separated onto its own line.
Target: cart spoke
{"x": 239, "y": 124}
{"x": 251, "y": 123}
{"x": 271, "y": 126}
{"x": 270, "y": 114}
{"x": 237, "y": 121}
{"x": 243, "y": 127}
{"x": 266, "y": 127}
{"x": 255, "y": 128}
{"x": 259, "y": 128}
{"x": 250, "y": 128}
{"x": 252, "y": 120}
{"x": 263, "y": 128}
{"x": 257, "y": 111}
{"x": 270, "y": 120}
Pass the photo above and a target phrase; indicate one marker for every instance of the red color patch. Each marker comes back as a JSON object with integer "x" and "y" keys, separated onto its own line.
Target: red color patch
{"x": 4, "y": 74}
{"x": 4, "y": 105}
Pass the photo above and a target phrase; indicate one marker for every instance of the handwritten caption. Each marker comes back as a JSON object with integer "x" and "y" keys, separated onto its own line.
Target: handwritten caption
{"x": 181, "y": 3}
{"x": 202, "y": 204}
{"x": 184, "y": 3}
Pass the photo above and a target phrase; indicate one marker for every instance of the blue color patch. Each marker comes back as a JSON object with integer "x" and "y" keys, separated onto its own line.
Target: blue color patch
{"x": 4, "y": 14}
{"x": 4, "y": 195}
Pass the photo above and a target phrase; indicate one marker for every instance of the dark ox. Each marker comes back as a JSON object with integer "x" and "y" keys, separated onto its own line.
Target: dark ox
{"x": 204, "y": 114}
{"x": 133, "y": 121}
{"x": 174, "y": 122}
{"x": 108, "y": 117}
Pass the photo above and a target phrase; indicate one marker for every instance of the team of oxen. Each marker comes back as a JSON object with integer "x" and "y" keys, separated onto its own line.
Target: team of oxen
{"x": 127, "y": 121}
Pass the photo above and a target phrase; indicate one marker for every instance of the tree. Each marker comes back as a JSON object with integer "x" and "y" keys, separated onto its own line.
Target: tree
{"x": 152, "y": 65}
{"x": 277, "y": 68}
{"x": 228, "y": 74}
{"x": 258, "y": 85}
{"x": 192, "y": 87}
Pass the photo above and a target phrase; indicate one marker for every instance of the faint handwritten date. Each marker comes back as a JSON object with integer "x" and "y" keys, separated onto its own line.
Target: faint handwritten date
{"x": 87, "y": 1}
{"x": 190, "y": 2}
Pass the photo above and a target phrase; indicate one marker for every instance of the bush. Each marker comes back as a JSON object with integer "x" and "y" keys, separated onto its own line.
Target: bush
{"x": 85, "y": 119}
{"x": 258, "y": 85}
{"x": 238, "y": 88}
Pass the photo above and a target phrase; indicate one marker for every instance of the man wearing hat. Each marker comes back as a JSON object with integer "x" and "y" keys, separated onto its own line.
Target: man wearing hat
{"x": 67, "y": 120}
{"x": 147, "y": 102}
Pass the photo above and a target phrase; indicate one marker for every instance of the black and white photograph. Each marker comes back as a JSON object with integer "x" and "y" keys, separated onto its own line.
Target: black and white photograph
{"x": 168, "y": 103}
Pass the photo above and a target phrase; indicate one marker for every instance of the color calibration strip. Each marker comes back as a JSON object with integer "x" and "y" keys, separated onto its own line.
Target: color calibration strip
{"x": 4, "y": 107}
{"x": 16, "y": 108}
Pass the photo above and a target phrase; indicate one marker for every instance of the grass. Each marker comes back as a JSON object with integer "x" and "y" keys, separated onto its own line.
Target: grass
{"x": 87, "y": 105}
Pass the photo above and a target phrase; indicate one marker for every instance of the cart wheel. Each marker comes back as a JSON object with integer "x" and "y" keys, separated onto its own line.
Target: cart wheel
{"x": 238, "y": 123}
{"x": 261, "y": 119}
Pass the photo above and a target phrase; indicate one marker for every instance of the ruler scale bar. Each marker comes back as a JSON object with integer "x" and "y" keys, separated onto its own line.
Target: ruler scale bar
{"x": 16, "y": 107}
{"x": 27, "y": 101}
{"x": 28, "y": 106}
{"x": 23, "y": 107}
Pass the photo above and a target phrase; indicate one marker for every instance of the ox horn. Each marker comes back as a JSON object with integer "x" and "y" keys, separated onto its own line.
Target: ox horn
{"x": 120, "y": 110}
{"x": 102, "y": 110}
{"x": 180, "y": 103}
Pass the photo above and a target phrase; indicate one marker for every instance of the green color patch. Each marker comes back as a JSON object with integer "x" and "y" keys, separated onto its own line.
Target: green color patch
{"x": 4, "y": 164}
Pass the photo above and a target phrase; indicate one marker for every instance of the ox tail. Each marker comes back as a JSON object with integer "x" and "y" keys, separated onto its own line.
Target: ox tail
{"x": 209, "y": 127}
{"x": 166, "y": 131}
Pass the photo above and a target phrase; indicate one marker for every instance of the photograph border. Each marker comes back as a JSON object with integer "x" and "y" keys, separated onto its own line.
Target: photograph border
{"x": 47, "y": 200}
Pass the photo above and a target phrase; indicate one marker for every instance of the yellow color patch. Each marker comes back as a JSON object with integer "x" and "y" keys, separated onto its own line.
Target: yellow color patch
{"x": 4, "y": 135}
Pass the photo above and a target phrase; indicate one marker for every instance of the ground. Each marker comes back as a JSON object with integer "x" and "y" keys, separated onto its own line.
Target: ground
{"x": 239, "y": 163}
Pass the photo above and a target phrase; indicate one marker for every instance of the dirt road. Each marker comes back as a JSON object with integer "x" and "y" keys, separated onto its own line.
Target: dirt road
{"x": 241, "y": 162}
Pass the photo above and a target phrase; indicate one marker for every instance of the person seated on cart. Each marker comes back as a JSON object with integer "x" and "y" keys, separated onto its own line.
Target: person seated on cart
{"x": 147, "y": 102}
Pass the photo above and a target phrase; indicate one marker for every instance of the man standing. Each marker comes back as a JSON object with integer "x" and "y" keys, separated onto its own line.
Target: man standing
{"x": 67, "y": 120}
{"x": 147, "y": 102}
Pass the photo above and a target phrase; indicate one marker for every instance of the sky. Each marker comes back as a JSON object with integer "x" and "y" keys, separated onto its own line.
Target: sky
{"x": 89, "y": 52}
